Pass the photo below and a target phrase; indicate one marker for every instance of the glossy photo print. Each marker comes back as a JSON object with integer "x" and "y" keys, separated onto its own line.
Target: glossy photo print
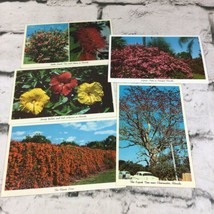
{"x": 156, "y": 59}
{"x": 89, "y": 40}
{"x": 73, "y": 43}
{"x": 153, "y": 145}
{"x": 62, "y": 93}
{"x": 61, "y": 157}
{"x": 46, "y": 43}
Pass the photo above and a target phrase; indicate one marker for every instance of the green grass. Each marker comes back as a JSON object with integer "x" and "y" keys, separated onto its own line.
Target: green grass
{"x": 198, "y": 76}
{"x": 103, "y": 177}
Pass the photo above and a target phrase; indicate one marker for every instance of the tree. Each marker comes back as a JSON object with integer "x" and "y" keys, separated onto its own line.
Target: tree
{"x": 72, "y": 143}
{"x": 151, "y": 118}
{"x": 110, "y": 142}
{"x": 37, "y": 138}
{"x": 107, "y": 144}
{"x": 189, "y": 41}
{"x": 162, "y": 44}
{"x": 118, "y": 42}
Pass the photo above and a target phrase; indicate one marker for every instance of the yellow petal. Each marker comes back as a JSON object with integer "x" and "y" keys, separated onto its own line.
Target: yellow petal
{"x": 34, "y": 101}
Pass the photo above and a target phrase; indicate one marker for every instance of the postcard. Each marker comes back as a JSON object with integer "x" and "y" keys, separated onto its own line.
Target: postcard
{"x": 66, "y": 43}
{"x": 62, "y": 93}
{"x": 156, "y": 59}
{"x": 153, "y": 148}
{"x": 60, "y": 157}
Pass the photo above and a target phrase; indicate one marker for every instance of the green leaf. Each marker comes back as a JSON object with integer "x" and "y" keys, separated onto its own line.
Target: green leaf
{"x": 62, "y": 100}
{"x": 16, "y": 106}
{"x": 106, "y": 110}
{"x": 83, "y": 111}
{"x": 26, "y": 86}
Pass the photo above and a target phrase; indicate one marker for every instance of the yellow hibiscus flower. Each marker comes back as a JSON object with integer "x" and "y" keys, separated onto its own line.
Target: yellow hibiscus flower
{"x": 90, "y": 93}
{"x": 34, "y": 101}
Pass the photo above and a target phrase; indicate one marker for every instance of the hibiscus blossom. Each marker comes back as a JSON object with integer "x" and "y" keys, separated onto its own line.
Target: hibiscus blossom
{"x": 33, "y": 101}
{"x": 90, "y": 93}
{"x": 63, "y": 83}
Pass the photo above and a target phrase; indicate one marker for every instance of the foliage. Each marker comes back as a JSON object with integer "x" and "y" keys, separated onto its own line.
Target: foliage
{"x": 162, "y": 44}
{"x": 66, "y": 143}
{"x": 61, "y": 85}
{"x": 118, "y": 42}
{"x": 189, "y": 41}
{"x": 184, "y": 55}
{"x": 197, "y": 66}
{"x": 50, "y": 46}
{"x": 133, "y": 168}
{"x": 137, "y": 61}
{"x": 32, "y": 165}
{"x": 108, "y": 144}
{"x": 152, "y": 119}
{"x": 88, "y": 41}
{"x": 37, "y": 138}
{"x": 164, "y": 168}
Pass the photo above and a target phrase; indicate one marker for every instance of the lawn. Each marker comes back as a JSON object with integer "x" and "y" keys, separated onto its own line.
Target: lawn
{"x": 103, "y": 177}
{"x": 198, "y": 76}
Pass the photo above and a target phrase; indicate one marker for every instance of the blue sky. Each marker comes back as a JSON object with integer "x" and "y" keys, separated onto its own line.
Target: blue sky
{"x": 46, "y": 27}
{"x": 162, "y": 88}
{"x": 80, "y": 132}
{"x": 130, "y": 153}
{"x": 173, "y": 41}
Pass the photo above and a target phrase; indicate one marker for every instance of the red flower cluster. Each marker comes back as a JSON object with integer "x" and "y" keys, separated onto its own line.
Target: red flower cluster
{"x": 90, "y": 40}
{"x": 63, "y": 83}
{"x": 33, "y": 165}
{"x": 138, "y": 61}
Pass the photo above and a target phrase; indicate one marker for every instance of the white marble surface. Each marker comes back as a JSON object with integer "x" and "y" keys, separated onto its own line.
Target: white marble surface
{"x": 164, "y": 17}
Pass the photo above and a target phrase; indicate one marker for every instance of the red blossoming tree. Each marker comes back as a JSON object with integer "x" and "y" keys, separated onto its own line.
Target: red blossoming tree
{"x": 50, "y": 46}
{"x": 138, "y": 61}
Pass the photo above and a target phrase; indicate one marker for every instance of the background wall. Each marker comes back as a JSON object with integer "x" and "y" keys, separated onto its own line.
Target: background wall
{"x": 161, "y": 17}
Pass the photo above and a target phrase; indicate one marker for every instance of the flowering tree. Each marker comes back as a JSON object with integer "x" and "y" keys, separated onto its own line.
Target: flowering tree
{"x": 138, "y": 61}
{"x": 50, "y": 46}
{"x": 151, "y": 119}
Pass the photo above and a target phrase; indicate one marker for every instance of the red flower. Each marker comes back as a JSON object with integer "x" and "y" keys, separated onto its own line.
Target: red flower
{"x": 63, "y": 83}
{"x": 87, "y": 56}
{"x": 90, "y": 39}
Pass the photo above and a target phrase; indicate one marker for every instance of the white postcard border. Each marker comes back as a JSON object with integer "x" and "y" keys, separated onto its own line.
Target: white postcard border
{"x": 160, "y": 183}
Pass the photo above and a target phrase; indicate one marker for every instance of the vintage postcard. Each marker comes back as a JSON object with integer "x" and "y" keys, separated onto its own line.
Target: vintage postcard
{"x": 62, "y": 93}
{"x": 156, "y": 59}
{"x": 60, "y": 157}
{"x": 66, "y": 43}
{"x": 153, "y": 148}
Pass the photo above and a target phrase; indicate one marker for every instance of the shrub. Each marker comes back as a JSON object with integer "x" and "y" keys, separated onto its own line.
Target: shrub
{"x": 48, "y": 46}
{"x": 138, "y": 61}
{"x": 33, "y": 165}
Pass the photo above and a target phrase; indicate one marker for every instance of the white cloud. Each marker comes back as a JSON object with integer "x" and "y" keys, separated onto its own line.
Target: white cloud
{"x": 18, "y": 138}
{"x": 19, "y": 133}
{"x": 71, "y": 138}
{"x": 35, "y": 132}
{"x": 109, "y": 132}
{"x": 59, "y": 139}
{"x": 91, "y": 125}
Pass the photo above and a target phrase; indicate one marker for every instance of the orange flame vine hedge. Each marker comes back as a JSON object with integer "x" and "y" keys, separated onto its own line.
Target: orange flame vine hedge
{"x": 33, "y": 165}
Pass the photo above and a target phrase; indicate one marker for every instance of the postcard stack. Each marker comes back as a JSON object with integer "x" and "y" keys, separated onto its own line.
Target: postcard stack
{"x": 93, "y": 110}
